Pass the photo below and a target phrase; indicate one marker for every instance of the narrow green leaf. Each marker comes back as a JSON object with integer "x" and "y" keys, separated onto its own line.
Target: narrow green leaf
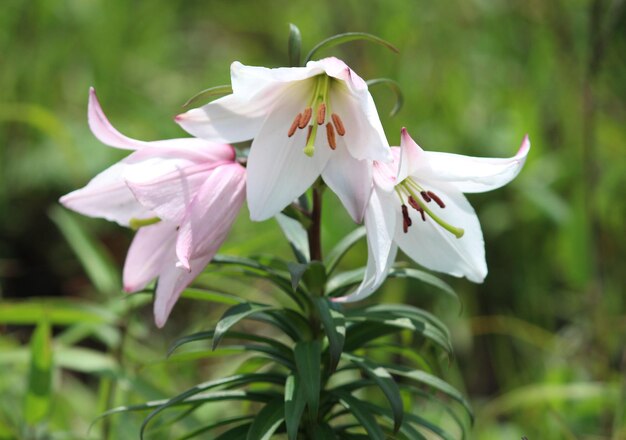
{"x": 295, "y": 45}
{"x": 294, "y": 405}
{"x": 237, "y": 433}
{"x": 216, "y": 297}
{"x": 434, "y": 383}
{"x": 297, "y": 237}
{"x": 232, "y": 316}
{"x": 334, "y": 325}
{"x": 221, "y": 422}
{"x": 54, "y": 311}
{"x": 361, "y": 333}
{"x": 95, "y": 259}
{"x": 362, "y": 414}
{"x": 426, "y": 278}
{"x": 386, "y": 383}
{"x": 38, "y": 396}
{"x": 296, "y": 270}
{"x": 345, "y": 38}
{"x": 336, "y": 254}
{"x": 340, "y": 284}
{"x": 207, "y": 94}
{"x": 394, "y": 87}
{"x": 267, "y": 420}
{"x": 315, "y": 278}
{"x": 308, "y": 363}
{"x": 324, "y": 432}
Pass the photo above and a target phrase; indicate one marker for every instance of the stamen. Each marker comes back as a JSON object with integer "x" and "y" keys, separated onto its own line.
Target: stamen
{"x": 306, "y": 117}
{"x": 330, "y": 134}
{"x": 417, "y": 207}
{"x": 436, "y": 198}
{"x": 321, "y": 114}
{"x": 425, "y": 196}
{"x": 341, "y": 130}
{"x": 294, "y": 125}
{"x": 308, "y": 135}
{"x": 407, "y": 222}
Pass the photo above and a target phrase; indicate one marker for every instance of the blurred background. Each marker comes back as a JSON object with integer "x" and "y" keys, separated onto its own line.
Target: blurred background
{"x": 540, "y": 346}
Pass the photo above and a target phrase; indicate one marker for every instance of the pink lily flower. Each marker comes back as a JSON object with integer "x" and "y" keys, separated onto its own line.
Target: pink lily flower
{"x": 182, "y": 194}
{"x": 418, "y": 205}
{"x": 304, "y": 122}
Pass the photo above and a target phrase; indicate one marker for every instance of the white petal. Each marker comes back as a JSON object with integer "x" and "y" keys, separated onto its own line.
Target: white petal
{"x": 475, "y": 174}
{"x": 413, "y": 161}
{"x": 350, "y": 179}
{"x": 152, "y": 249}
{"x": 364, "y": 136}
{"x": 380, "y": 222}
{"x": 104, "y": 131}
{"x": 385, "y": 174}
{"x": 255, "y": 81}
{"x": 107, "y": 196}
{"x": 278, "y": 169}
{"x": 435, "y": 248}
{"x": 211, "y": 214}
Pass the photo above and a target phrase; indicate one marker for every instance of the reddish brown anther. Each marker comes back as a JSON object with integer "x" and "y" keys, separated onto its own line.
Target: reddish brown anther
{"x": 321, "y": 114}
{"x": 425, "y": 196}
{"x": 330, "y": 134}
{"x": 406, "y": 219}
{"x": 436, "y": 198}
{"x": 417, "y": 207}
{"x": 294, "y": 125}
{"x": 341, "y": 130}
{"x": 306, "y": 117}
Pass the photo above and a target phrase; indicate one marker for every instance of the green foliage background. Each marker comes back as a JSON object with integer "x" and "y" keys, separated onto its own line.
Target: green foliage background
{"x": 540, "y": 345}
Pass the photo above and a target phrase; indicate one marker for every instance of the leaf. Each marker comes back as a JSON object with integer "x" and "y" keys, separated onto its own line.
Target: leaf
{"x": 54, "y": 311}
{"x": 295, "y": 45}
{"x": 95, "y": 259}
{"x": 345, "y": 38}
{"x": 294, "y": 405}
{"x": 426, "y": 278}
{"x": 362, "y": 414}
{"x": 233, "y": 315}
{"x": 386, "y": 383}
{"x": 206, "y": 295}
{"x": 308, "y": 360}
{"x": 297, "y": 237}
{"x": 296, "y": 270}
{"x": 267, "y": 420}
{"x": 361, "y": 333}
{"x": 435, "y": 383}
{"x": 315, "y": 278}
{"x": 334, "y": 325}
{"x": 38, "y": 397}
{"x": 206, "y": 94}
{"x": 214, "y": 425}
{"x": 237, "y": 433}
{"x": 395, "y": 88}
{"x": 336, "y": 254}
{"x": 231, "y": 381}
{"x": 341, "y": 282}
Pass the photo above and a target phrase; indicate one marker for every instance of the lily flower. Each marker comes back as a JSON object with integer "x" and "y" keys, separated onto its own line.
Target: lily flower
{"x": 304, "y": 122}
{"x": 182, "y": 194}
{"x": 418, "y": 205}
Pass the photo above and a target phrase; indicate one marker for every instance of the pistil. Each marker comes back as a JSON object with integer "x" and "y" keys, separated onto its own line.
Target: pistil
{"x": 136, "y": 223}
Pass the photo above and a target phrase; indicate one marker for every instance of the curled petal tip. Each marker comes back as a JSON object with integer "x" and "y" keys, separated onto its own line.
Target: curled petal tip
{"x": 184, "y": 264}
{"x": 524, "y": 147}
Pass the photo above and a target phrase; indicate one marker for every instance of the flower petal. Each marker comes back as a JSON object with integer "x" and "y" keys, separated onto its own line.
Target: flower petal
{"x": 475, "y": 174}
{"x": 152, "y": 249}
{"x": 211, "y": 214}
{"x": 364, "y": 136}
{"x": 107, "y": 196}
{"x": 380, "y": 223}
{"x": 278, "y": 169}
{"x": 413, "y": 161}
{"x": 435, "y": 248}
{"x": 350, "y": 179}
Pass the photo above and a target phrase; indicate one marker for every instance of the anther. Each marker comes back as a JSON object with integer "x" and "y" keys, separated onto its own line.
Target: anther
{"x": 425, "y": 196}
{"x": 436, "y": 198}
{"x": 417, "y": 207}
{"x": 306, "y": 117}
{"x": 321, "y": 114}
{"x": 406, "y": 220}
{"x": 341, "y": 130}
{"x": 330, "y": 134}
{"x": 294, "y": 125}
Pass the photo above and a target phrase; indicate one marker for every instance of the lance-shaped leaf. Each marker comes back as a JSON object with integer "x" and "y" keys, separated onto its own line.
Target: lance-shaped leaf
{"x": 308, "y": 363}
{"x": 37, "y": 403}
{"x": 334, "y": 325}
{"x": 207, "y": 94}
{"x": 295, "y": 45}
{"x": 337, "y": 253}
{"x": 294, "y": 405}
{"x": 237, "y": 433}
{"x": 424, "y": 277}
{"x": 386, "y": 383}
{"x": 363, "y": 414}
{"x": 233, "y": 315}
{"x": 267, "y": 420}
{"x": 394, "y": 87}
{"x": 222, "y": 422}
{"x": 296, "y": 235}
{"x": 346, "y": 37}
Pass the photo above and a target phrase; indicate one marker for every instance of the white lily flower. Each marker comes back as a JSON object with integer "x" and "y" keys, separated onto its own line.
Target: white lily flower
{"x": 304, "y": 122}
{"x": 418, "y": 205}
{"x": 182, "y": 194}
